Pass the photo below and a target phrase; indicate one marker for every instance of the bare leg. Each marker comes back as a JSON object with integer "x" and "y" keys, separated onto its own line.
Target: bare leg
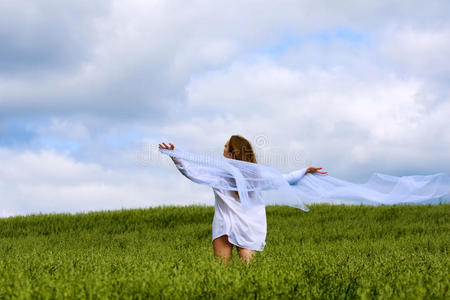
{"x": 223, "y": 248}
{"x": 246, "y": 254}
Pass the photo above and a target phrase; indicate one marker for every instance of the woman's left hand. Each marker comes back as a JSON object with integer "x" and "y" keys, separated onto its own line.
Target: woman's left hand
{"x": 315, "y": 170}
{"x": 171, "y": 147}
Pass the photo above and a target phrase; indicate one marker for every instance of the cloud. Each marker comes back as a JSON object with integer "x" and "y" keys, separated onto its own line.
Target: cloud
{"x": 133, "y": 60}
{"x": 358, "y": 118}
{"x": 49, "y": 182}
{"x": 353, "y": 87}
{"x": 44, "y": 36}
{"x": 418, "y": 50}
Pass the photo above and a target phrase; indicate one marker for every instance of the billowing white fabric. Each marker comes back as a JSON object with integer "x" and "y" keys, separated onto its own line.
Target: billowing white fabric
{"x": 245, "y": 229}
{"x": 250, "y": 179}
{"x": 243, "y": 218}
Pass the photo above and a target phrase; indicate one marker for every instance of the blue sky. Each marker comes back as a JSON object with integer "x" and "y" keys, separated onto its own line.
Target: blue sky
{"x": 88, "y": 90}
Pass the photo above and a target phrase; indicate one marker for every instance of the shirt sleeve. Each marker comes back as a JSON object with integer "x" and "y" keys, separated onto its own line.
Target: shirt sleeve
{"x": 197, "y": 176}
{"x": 295, "y": 176}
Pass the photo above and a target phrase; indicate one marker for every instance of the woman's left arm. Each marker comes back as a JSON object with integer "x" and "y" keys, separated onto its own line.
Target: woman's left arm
{"x": 296, "y": 176}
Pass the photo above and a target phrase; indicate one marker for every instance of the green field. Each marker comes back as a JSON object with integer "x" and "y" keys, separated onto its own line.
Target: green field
{"x": 329, "y": 252}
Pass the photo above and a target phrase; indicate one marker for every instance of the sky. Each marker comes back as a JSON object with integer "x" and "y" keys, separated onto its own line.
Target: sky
{"x": 89, "y": 88}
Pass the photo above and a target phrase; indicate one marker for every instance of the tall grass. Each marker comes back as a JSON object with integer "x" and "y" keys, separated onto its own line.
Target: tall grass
{"x": 166, "y": 252}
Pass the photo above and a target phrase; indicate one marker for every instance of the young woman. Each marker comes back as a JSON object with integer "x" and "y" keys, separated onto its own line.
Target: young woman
{"x": 232, "y": 226}
{"x": 237, "y": 181}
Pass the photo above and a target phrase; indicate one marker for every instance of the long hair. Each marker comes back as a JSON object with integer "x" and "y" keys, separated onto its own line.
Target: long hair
{"x": 241, "y": 149}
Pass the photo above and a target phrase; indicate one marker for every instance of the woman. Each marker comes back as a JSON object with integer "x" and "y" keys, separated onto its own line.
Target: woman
{"x": 237, "y": 181}
{"x": 232, "y": 226}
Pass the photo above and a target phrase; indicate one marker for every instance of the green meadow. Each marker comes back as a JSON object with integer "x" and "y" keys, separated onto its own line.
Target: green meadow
{"x": 337, "y": 252}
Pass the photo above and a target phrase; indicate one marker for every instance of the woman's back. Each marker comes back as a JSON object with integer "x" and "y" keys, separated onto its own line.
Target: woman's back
{"x": 245, "y": 229}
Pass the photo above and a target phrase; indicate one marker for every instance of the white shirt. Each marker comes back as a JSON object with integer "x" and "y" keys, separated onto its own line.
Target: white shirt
{"x": 245, "y": 229}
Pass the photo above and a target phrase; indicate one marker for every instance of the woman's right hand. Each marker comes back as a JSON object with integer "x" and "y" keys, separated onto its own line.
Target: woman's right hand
{"x": 171, "y": 147}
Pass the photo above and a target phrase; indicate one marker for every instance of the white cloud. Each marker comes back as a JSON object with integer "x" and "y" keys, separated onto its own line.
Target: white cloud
{"x": 352, "y": 86}
{"x": 418, "y": 50}
{"x": 342, "y": 119}
{"x": 49, "y": 182}
{"x": 134, "y": 59}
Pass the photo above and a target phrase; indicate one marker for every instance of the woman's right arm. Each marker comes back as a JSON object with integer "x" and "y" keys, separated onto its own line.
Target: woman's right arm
{"x": 175, "y": 160}
{"x": 197, "y": 177}
{"x": 181, "y": 168}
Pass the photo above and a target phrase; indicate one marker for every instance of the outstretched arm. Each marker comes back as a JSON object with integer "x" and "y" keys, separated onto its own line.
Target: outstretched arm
{"x": 197, "y": 177}
{"x": 296, "y": 176}
{"x": 176, "y": 161}
{"x": 181, "y": 168}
